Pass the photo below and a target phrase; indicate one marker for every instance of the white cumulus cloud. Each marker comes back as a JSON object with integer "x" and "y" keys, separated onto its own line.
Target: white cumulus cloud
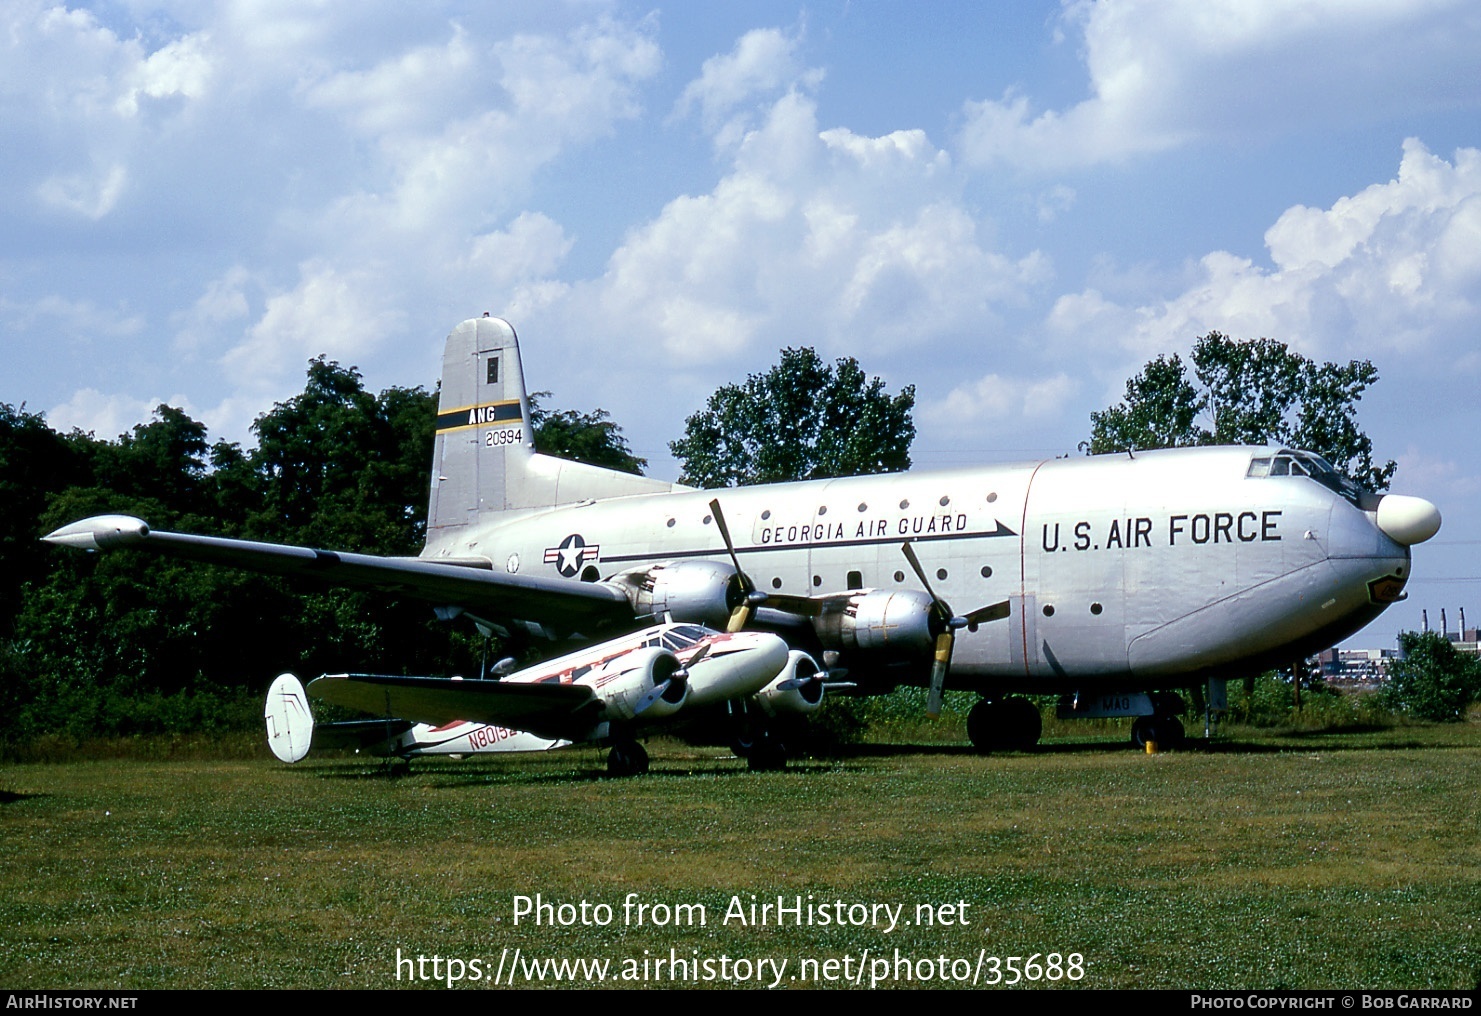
{"x": 763, "y": 62}
{"x": 1162, "y": 74}
{"x": 107, "y": 416}
{"x": 1396, "y": 267}
{"x": 827, "y": 238}
{"x": 995, "y": 397}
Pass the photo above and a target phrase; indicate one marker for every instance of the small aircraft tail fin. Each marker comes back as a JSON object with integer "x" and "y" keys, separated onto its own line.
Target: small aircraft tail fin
{"x": 484, "y": 458}
{"x": 290, "y": 725}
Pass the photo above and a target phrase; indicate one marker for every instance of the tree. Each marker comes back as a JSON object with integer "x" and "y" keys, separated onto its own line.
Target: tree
{"x": 108, "y": 644}
{"x": 1433, "y": 680}
{"x": 338, "y": 466}
{"x": 35, "y": 463}
{"x": 1246, "y": 392}
{"x": 801, "y": 420}
{"x": 585, "y": 437}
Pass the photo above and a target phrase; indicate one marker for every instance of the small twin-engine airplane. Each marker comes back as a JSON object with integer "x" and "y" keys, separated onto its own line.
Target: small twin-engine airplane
{"x": 1111, "y": 581}
{"x": 599, "y": 693}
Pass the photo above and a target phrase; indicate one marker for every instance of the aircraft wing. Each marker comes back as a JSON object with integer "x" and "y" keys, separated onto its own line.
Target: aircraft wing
{"x": 472, "y": 583}
{"x": 547, "y": 708}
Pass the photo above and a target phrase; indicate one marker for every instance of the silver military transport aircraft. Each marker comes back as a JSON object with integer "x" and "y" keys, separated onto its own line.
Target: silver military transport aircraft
{"x": 1109, "y": 580}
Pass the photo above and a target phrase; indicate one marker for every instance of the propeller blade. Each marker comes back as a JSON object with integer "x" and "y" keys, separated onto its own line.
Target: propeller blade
{"x": 944, "y": 644}
{"x": 822, "y": 676}
{"x": 802, "y": 606}
{"x": 946, "y": 641}
{"x": 746, "y": 583}
{"x": 992, "y": 612}
{"x": 653, "y": 695}
{"x": 742, "y": 613}
{"x": 683, "y": 670}
{"x": 677, "y": 678}
{"x": 920, "y": 573}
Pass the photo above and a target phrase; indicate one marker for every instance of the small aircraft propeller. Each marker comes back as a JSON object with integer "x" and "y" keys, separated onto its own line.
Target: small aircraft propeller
{"x": 675, "y": 680}
{"x": 950, "y": 624}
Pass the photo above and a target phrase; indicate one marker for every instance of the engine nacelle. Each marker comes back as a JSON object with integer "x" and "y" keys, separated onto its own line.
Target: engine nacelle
{"x": 699, "y": 592}
{"x": 632, "y": 676}
{"x": 900, "y": 624}
{"x": 804, "y": 697}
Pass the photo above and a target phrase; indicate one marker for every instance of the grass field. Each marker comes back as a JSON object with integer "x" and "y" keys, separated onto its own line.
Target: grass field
{"x": 1326, "y": 860}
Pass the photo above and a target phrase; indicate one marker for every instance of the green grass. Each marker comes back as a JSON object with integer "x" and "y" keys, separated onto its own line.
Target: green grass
{"x": 1287, "y": 859}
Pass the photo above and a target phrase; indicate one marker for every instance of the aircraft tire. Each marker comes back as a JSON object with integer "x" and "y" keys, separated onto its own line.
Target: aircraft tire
{"x": 980, "y": 723}
{"x": 1170, "y": 732}
{"x": 790, "y": 730}
{"x": 1022, "y": 726}
{"x": 627, "y": 758}
{"x": 767, "y": 753}
{"x": 1166, "y": 731}
{"x": 1012, "y": 724}
{"x": 1142, "y": 732}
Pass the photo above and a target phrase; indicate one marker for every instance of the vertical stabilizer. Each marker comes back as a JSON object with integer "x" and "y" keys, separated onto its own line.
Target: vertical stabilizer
{"x": 483, "y": 432}
{"x": 484, "y": 458}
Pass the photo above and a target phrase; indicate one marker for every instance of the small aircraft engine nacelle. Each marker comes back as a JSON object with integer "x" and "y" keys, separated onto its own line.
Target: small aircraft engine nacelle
{"x": 797, "y": 689}
{"x": 901, "y": 623}
{"x": 699, "y": 592}
{"x": 637, "y": 675}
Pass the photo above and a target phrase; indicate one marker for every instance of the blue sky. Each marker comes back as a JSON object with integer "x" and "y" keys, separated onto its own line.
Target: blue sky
{"x": 1010, "y": 206}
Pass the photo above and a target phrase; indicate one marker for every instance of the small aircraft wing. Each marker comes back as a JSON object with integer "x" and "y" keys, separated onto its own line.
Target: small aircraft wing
{"x": 472, "y": 583}
{"x": 547, "y": 708}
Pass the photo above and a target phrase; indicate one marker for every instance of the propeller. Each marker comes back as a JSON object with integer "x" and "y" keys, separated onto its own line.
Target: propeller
{"x": 950, "y": 624}
{"x": 675, "y": 680}
{"x": 753, "y": 596}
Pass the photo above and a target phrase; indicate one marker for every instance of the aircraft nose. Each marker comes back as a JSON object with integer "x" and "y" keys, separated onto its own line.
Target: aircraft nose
{"x": 1407, "y": 520}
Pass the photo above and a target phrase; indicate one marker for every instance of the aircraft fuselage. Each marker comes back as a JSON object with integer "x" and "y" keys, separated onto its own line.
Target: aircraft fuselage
{"x": 1146, "y": 569}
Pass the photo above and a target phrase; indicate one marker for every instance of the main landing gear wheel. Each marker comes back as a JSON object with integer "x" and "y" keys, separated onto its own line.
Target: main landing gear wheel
{"x": 768, "y": 753}
{"x": 1166, "y": 731}
{"x": 1011, "y": 724}
{"x": 782, "y": 735}
{"x": 627, "y": 758}
{"x": 742, "y": 741}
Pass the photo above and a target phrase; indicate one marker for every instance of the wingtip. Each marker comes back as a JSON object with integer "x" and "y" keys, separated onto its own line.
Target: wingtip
{"x": 100, "y": 532}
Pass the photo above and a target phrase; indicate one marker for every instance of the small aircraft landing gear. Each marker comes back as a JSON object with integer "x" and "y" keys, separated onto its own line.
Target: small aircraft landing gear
{"x": 768, "y": 752}
{"x": 397, "y": 766}
{"x": 764, "y": 746}
{"x": 1011, "y": 724}
{"x": 765, "y": 742}
{"x": 627, "y": 758}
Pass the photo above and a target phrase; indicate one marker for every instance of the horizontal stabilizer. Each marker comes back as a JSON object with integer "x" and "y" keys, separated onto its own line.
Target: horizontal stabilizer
{"x": 359, "y": 734}
{"x": 547, "y": 708}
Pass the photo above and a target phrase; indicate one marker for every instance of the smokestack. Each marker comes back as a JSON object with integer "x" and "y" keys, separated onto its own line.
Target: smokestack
{"x": 1444, "y": 627}
{"x": 1424, "y": 620}
{"x": 1462, "y": 624}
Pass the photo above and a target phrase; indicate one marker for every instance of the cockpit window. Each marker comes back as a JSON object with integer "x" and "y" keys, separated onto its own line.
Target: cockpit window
{"x": 1297, "y": 463}
{"x": 683, "y": 637}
